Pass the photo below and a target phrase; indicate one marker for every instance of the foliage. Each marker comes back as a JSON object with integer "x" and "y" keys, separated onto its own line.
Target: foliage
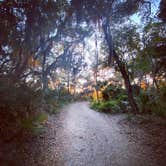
{"x": 150, "y": 60}
{"x": 114, "y": 92}
{"x": 22, "y": 109}
{"x": 55, "y": 99}
{"x": 106, "y": 106}
{"x": 18, "y": 97}
{"x": 162, "y": 14}
{"x": 153, "y": 101}
{"x": 34, "y": 123}
{"x": 38, "y": 37}
{"x": 114, "y": 100}
{"x": 21, "y": 23}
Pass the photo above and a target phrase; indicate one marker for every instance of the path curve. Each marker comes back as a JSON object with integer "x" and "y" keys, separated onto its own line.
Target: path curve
{"x": 79, "y": 136}
{"x": 90, "y": 138}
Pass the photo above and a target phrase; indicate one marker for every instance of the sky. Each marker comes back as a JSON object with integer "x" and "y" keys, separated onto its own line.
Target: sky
{"x": 90, "y": 55}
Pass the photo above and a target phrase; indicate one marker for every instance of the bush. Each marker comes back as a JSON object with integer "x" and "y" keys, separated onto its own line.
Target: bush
{"x": 54, "y": 100}
{"x": 34, "y": 123}
{"x": 21, "y": 109}
{"x": 114, "y": 100}
{"x": 114, "y": 92}
{"x": 153, "y": 101}
{"x": 106, "y": 106}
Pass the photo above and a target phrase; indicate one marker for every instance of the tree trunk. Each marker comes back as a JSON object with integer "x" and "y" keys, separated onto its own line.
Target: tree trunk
{"x": 121, "y": 65}
{"x": 155, "y": 81}
{"x": 68, "y": 82}
{"x": 96, "y": 86}
{"x": 96, "y": 68}
{"x": 44, "y": 75}
{"x": 59, "y": 92}
{"x": 45, "y": 83}
{"x": 128, "y": 86}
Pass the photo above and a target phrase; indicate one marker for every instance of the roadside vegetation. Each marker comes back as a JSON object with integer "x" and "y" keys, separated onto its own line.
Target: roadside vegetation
{"x": 52, "y": 52}
{"x": 25, "y": 110}
{"x": 114, "y": 100}
{"x": 43, "y": 53}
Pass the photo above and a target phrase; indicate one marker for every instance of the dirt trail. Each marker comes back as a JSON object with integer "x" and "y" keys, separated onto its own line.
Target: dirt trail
{"x": 89, "y": 138}
{"x": 79, "y": 136}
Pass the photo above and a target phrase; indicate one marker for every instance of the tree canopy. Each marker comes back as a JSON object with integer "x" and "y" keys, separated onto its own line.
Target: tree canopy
{"x": 39, "y": 37}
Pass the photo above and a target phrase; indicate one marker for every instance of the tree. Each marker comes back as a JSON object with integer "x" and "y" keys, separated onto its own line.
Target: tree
{"x": 109, "y": 12}
{"x": 29, "y": 31}
{"x": 151, "y": 59}
{"x": 162, "y": 13}
{"x": 50, "y": 22}
{"x": 26, "y": 32}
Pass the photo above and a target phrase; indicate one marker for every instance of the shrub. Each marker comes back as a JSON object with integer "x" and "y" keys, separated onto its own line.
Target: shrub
{"x": 114, "y": 92}
{"x": 21, "y": 109}
{"x": 34, "y": 123}
{"x": 153, "y": 101}
{"x": 114, "y": 100}
{"x": 106, "y": 106}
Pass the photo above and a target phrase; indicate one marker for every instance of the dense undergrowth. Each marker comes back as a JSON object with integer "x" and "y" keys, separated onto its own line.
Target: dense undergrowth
{"x": 114, "y": 100}
{"x": 151, "y": 100}
{"x": 24, "y": 110}
{"x": 54, "y": 100}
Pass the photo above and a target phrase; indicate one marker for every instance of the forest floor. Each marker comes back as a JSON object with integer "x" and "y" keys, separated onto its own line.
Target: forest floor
{"x": 79, "y": 136}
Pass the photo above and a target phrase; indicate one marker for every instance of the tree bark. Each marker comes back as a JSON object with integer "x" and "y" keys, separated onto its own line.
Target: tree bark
{"x": 68, "y": 82}
{"x": 121, "y": 65}
{"x": 96, "y": 68}
{"x": 44, "y": 75}
{"x": 128, "y": 86}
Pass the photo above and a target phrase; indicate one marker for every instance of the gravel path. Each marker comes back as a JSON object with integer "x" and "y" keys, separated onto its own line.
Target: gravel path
{"x": 79, "y": 136}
